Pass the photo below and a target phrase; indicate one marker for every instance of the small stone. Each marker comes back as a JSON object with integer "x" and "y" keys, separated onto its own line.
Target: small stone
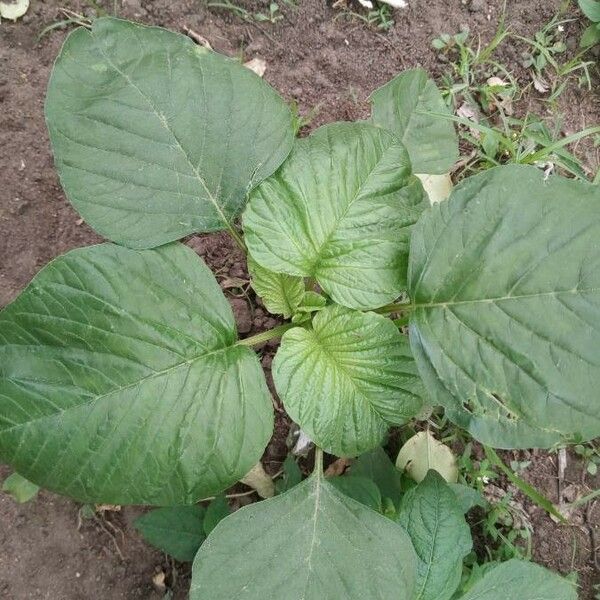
{"x": 477, "y": 5}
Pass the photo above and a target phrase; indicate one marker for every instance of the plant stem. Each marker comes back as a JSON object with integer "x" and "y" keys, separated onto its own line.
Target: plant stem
{"x": 237, "y": 238}
{"x": 394, "y": 307}
{"x": 318, "y": 468}
{"x": 265, "y": 336}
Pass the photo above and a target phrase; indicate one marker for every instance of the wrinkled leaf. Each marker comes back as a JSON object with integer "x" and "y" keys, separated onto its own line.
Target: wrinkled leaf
{"x": 433, "y": 519}
{"x": 505, "y": 284}
{"x": 281, "y": 294}
{"x": 340, "y": 209}
{"x": 260, "y": 481}
{"x": 155, "y": 137}
{"x": 21, "y": 489}
{"x": 361, "y": 489}
{"x": 311, "y": 543}
{"x": 176, "y": 530}
{"x": 346, "y": 380}
{"x": 437, "y": 187}
{"x": 520, "y": 580}
{"x": 423, "y": 452}
{"x": 377, "y": 466}
{"x": 216, "y": 511}
{"x": 124, "y": 383}
{"x": 431, "y": 141}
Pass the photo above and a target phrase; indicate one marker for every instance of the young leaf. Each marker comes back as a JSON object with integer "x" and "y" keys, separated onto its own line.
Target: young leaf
{"x": 347, "y": 379}
{"x": 467, "y": 497}
{"x": 423, "y": 452}
{"x": 124, "y": 383}
{"x": 431, "y": 141}
{"x": 216, "y": 511}
{"x": 433, "y": 519}
{"x": 176, "y": 530}
{"x": 282, "y": 294}
{"x": 377, "y": 466}
{"x": 292, "y": 475}
{"x": 361, "y": 489}
{"x": 340, "y": 210}
{"x": 505, "y": 287}
{"x": 155, "y": 137}
{"x": 21, "y": 489}
{"x": 311, "y": 543}
{"x": 517, "y": 580}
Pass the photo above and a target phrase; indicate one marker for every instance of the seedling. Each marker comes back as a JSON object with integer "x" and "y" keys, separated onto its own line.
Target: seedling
{"x": 123, "y": 379}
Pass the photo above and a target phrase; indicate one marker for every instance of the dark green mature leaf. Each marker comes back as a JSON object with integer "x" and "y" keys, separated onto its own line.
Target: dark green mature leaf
{"x": 282, "y": 294}
{"x": 340, "y": 210}
{"x": 440, "y": 535}
{"x": 520, "y": 580}
{"x": 505, "y": 285}
{"x": 21, "y": 489}
{"x": 176, "y": 530}
{"x": 376, "y": 465}
{"x": 122, "y": 381}
{"x": 292, "y": 475}
{"x": 431, "y": 141}
{"x": 155, "y": 137}
{"x": 216, "y": 511}
{"x": 346, "y": 380}
{"x": 361, "y": 489}
{"x": 467, "y": 497}
{"x": 311, "y": 543}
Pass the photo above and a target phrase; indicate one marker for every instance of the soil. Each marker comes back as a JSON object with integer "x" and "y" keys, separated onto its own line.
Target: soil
{"x": 323, "y": 61}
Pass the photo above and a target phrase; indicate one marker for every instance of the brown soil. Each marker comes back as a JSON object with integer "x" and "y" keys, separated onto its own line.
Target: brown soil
{"x": 317, "y": 60}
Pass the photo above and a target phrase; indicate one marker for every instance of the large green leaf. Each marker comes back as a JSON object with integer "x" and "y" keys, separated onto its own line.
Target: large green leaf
{"x": 505, "y": 326}
{"x": 21, "y": 489}
{"x": 345, "y": 380}
{"x": 282, "y": 294}
{"x": 176, "y": 530}
{"x": 121, "y": 380}
{"x": 311, "y": 543}
{"x": 520, "y": 580}
{"x": 155, "y": 137}
{"x": 399, "y": 106}
{"x": 340, "y": 209}
{"x": 433, "y": 518}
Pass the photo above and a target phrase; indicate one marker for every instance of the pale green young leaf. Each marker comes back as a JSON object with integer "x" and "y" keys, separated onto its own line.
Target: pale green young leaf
{"x": 521, "y": 580}
{"x": 421, "y": 453}
{"x": 155, "y": 137}
{"x": 399, "y": 105}
{"x": 281, "y": 294}
{"x": 434, "y": 520}
{"x": 340, "y": 210}
{"x": 123, "y": 381}
{"x": 21, "y": 489}
{"x": 176, "y": 530}
{"x": 311, "y": 543}
{"x": 347, "y": 379}
{"x": 505, "y": 291}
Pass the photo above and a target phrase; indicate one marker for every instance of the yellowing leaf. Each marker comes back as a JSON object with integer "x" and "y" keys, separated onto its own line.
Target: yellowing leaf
{"x": 423, "y": 452}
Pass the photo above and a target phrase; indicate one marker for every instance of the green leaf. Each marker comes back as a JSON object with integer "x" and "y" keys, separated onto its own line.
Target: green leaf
{"x": 377, "y": 466}
{"x": 21, "y": 489}
{"x": 591, "y": 9}
{"x": 433, "y": 519}
{"x": 340, "y": 210}
{"x": 520, "y": 580}
{"x": 176, "y": 530}
{"x": 311, "y": 543}
{"x": 156, "y": 137}
{"x": 590, "y": 36}
{"x": 399, "y": 105}
{"x": 123, "y": 382}
{"x": 467, "y": 497}
{"x": 423, "y": 452}
{"x": 505, "y": 287}
{"x": 281, "y": 294}
{"x": 292, "y": 475}
{"x": 346, "y": 380}
{"x": 216, "y": 511}
{"x": 361, "y": 489}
